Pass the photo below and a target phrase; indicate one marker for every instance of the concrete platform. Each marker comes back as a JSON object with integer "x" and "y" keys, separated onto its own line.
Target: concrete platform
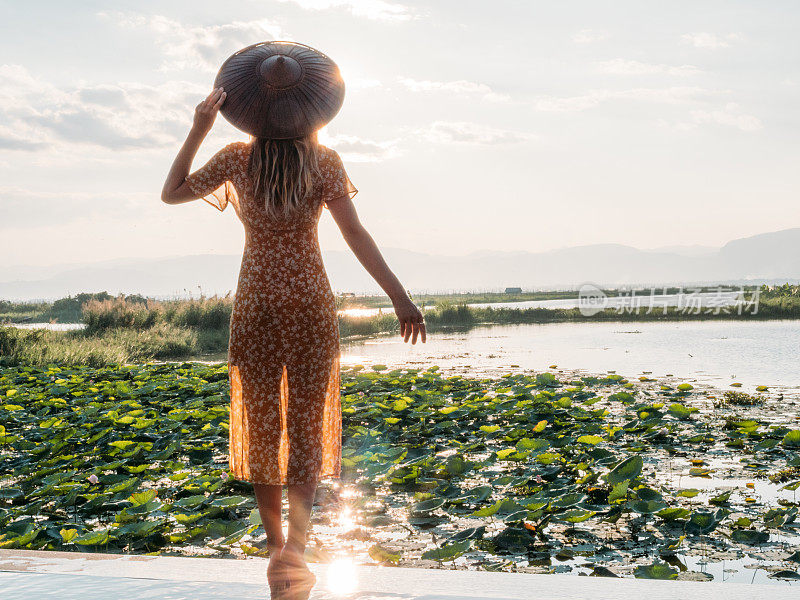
{"x": 32, "y": 574}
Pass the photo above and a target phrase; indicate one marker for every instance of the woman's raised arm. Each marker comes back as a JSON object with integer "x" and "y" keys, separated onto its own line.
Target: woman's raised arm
{"x": 366, "y": 250}
{"x": 176, "y": 190}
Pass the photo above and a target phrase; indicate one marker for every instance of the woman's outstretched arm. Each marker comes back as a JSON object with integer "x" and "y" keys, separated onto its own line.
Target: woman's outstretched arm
{"x": 176, "y": 190}
{"x": 368, "y": 254}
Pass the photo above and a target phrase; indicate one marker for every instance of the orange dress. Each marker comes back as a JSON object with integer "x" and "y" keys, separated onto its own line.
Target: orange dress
{"x": 283, "y": 354}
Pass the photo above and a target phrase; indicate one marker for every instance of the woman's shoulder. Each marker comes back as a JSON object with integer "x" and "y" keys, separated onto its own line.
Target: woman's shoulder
{"x": 328, "y": 157}
{"x": 326, "y": 151}
{"x": 238, "y": 148}
{"x": 237, "y": 155}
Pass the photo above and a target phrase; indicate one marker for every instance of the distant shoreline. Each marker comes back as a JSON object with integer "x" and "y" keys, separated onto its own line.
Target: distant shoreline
{"x": 131, "y": 329}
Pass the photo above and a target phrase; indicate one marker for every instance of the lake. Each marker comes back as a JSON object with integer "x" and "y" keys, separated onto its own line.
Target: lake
{"x": 715, "y": 352}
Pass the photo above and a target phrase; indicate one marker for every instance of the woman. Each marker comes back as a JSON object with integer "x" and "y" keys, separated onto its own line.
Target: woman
{"x": 285, "y": 420}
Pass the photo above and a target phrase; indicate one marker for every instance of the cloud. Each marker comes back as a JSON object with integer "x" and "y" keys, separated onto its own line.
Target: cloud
{"x": 355, "y": 149}
{"x": 729, "y": 116}
{"x": 196, "y": 46}
{"x": 710, "y": 40}
{"x": 462, "y": 132}
{"x": 378, "y": 10}
{"x": 461, "y": 87}
{"x": 356, "y": 83}
{"x": 11, "y": 140}
{"x": 588, "y": 36}
{"x": 37, "y": 114}
{"x": 668, "y": 95}
{"x": 620, "y": 66}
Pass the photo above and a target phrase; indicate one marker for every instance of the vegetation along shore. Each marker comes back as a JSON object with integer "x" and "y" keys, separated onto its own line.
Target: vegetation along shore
{"x": 129, "y": 329}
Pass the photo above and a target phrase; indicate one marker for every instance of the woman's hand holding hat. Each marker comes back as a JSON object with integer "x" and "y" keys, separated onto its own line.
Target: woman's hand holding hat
{"x": 206, "y": 111}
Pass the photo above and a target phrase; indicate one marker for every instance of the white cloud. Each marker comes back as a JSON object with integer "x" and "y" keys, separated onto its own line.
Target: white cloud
{"x": 197, "y": 46}
{"x": 729, "y": 116}
{"x": 461, "y": 87}
{"x": 355, "y": 149}
{"x": 588, "y": 36}
{"x": 37, "y": 114}
{"x": 356, "y": 83}
{"x": 710, "y": 40}
{"x": 378, "y": 10}
{"x": 462, "y": 132}
{"x": 620, "y": 66}
{"x": 13, "y": 139}
{"x": 669, "y": 95}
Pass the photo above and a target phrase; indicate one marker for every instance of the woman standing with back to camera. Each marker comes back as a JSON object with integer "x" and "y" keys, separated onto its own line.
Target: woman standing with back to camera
{"x": 283, "y": 355}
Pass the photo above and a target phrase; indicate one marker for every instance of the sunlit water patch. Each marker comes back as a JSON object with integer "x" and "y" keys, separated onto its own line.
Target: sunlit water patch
{"x": 721, "y": 353}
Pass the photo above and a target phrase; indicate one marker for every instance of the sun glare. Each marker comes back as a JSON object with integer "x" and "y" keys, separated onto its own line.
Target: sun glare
{"x": 346, "y": 519}
{"x": 341, "y": 577}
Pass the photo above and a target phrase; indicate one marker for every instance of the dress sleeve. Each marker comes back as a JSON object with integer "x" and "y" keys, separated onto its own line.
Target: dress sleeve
{"x": 336, "y": 182}
{"x": 211, "y": 182}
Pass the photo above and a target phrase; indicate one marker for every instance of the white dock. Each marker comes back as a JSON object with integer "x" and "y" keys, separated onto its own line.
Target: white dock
{"x": 32, "y": 574}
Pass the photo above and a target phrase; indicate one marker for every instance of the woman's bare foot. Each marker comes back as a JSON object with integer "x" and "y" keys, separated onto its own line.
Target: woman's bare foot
{"x": 301, "y": 579}
{"x": 277, "y": 575}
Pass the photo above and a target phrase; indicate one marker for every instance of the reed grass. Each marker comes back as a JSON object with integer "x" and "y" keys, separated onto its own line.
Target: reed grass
{"x": 202, "y": 313}
{"x": 115, "y": 346}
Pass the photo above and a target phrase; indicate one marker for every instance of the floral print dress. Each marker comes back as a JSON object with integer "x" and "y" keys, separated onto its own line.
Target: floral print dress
{"x": 283, "y": 354}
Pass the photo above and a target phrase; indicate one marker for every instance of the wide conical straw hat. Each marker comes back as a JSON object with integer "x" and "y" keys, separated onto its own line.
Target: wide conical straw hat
{"x": 280, "y": 90}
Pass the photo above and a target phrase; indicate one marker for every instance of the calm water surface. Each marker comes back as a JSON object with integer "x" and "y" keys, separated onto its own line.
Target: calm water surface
{"x": 716, "y": 352}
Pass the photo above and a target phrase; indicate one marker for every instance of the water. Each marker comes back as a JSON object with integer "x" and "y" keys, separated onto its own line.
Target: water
{"x": 641, "y": 300}
{"x": 719, "y": 353}
{"x": 50, "y": 326}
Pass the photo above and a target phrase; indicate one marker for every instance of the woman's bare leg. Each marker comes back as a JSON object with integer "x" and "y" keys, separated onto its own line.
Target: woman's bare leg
{"x": 301, "y": 501}
{"x": 269, "y": 507}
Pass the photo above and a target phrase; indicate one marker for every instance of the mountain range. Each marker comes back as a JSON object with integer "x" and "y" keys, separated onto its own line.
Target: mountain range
{"x": 769, "y": 257}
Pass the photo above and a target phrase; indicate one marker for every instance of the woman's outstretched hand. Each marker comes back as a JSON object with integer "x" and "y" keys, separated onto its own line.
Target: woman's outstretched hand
{"x": 411, "y": 320}
{"x": 206, "y": 111}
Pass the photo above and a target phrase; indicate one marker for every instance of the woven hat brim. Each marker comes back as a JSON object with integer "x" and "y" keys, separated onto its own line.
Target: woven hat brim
{"x": 264, "y": 110}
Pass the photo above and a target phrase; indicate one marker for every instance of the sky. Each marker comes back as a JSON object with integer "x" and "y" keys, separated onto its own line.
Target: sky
{"x": 467, "y": 126}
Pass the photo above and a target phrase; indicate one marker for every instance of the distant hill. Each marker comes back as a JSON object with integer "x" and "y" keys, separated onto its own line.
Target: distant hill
{"x": 766, "y": 257}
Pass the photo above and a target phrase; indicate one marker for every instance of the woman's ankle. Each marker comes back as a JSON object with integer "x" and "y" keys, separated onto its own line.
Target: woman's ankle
{"x": 295, "y": 546}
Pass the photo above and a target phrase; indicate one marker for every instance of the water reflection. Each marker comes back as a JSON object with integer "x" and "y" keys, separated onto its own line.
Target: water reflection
{"x": 346, "y": 518}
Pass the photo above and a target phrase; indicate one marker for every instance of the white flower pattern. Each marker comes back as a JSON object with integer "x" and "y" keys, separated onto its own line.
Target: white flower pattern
{"x": 283, "y": 354}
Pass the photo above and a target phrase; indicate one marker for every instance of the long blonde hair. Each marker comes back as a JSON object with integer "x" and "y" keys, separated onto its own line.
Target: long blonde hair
{"x": 284, "y": 172}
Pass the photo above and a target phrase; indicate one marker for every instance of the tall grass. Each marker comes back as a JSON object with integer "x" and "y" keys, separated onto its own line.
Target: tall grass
{"x": 204, "y": 313}
{"x": 350, "y": 326}
{"x": 115, "y": 346}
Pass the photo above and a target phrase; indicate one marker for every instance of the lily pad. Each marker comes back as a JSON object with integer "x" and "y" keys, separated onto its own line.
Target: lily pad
{"x": 448, "y": 551}
{"x": 628, "y": 469}
{"x": 655, "y": 571}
